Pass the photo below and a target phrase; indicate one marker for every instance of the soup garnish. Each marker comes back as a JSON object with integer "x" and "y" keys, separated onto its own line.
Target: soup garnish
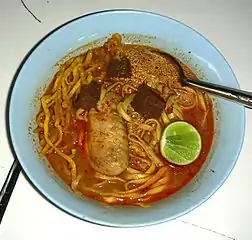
{"x": 180, "y": 143}
{"x": 103, "y": 116}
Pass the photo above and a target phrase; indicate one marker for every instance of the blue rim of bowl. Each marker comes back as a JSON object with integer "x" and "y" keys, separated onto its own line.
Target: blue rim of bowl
{"x": 69, "y": 210}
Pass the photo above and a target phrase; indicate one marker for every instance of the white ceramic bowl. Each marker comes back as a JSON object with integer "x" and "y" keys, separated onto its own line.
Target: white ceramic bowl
{"x": 170, "y": 35}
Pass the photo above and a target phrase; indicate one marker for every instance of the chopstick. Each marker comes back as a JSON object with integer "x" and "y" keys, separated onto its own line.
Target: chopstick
{"x": 8, "y": 187}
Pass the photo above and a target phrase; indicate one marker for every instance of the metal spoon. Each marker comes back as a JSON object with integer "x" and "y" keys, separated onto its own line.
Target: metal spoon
{"x": 238, "y": 96}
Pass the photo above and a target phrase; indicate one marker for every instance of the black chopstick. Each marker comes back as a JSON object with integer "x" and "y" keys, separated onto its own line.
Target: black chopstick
{"x": 8, "y": 187}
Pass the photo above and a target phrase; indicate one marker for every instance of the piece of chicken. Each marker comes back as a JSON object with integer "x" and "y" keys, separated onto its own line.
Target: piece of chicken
{"x": 107, "y": 142}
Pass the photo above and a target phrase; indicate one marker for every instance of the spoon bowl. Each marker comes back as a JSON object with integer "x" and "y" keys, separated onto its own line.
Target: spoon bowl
{"x": 238, "y": 96}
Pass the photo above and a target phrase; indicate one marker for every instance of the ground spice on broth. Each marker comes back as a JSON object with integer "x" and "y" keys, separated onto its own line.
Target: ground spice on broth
{"x": 146, "y": 68}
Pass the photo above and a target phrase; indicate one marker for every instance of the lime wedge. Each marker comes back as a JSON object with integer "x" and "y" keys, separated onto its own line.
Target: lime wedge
{"x": 180, "y": 143}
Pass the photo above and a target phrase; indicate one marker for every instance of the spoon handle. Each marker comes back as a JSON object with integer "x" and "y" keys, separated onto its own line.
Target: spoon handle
{"x": 8, "y": 187}
{"x": 236, "y": 95}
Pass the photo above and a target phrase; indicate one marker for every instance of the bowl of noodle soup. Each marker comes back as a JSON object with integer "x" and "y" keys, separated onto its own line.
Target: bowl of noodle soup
{"x": 88, "y": 108}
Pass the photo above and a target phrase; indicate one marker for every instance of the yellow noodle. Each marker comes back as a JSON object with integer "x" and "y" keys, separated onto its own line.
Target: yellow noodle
{"x": 47, "y": 149}
{"x": 123, "y": 113}
{"x": 133, "y": 194}
{"x": 104, "y": 91}
{"x": 110, "y": 178}
{"x": 136, "y": 182}
{"x": 59, "y": 106}
{"x": 135, "y": 176}
{"x": 89, "y": 79}
{"x": 158, "y": 127}
{"x": 65, "y": 72}
{"x": 207, "y": 99}
{"x": 64, "y": 88}
{"x": 57, "y": 81}
{"x": 151, "y": 169}
{"x": 68, "y": 116}
{"x": 66, "y": 64}
{"x": 201, "y": 100}
{"x": 50, "y": 98}
{"x": 152, "y": 180}
{"x": 156, "y": 190}
{"x": 59, "y": 128}
{"x": 46, "y": 132}
{"x": 57, "y": 120}
{"x": 132, "y": 170}
{"x": 143, "y": 199}
{"x": 141, "y": 133}
{"x": 145, "y": 127}
{"x": 135, "y": 115}
{"x": 76, "y": 75}
{"x": 74, "y": 89}
{"x": 127, "y": 101}
{"x": 115, "y": 195}
{"x": 100, "y": 184}
{"x": 186, "y": 95}
{"x": 143, "y": 205}
{"x": 171, "y": 116}
{"x": 147, "y": 149}
{"x": 83, "y": 75}
{"x": 137, "y": 150}
{"x": 70, "y": 82}
{"x": 161, "y": 181}
{"x": 165, "y": 118}
{"x": 147, "y": 161}
{"x": 73, "y": 153}
{"x": 109, "y": 199}
{"x": 113, "y": 86}
{"x": 204, "y": 117}
{"x": 75, "y": 183}
{"x": 177, "y": 111}
{"x": 88, "y": 59}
